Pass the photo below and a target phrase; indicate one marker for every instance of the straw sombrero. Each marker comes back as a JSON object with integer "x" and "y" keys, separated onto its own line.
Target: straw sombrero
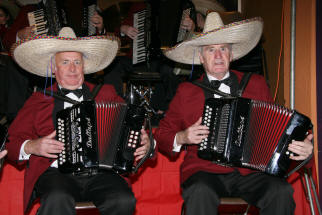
{"x": 203, "y": 6}
{"x": 12, "y": 8}
{"x": 243, "y": 36}
{"x": 35, "y": 53}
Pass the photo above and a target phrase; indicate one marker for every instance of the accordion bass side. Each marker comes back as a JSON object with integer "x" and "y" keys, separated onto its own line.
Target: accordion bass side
{"x": 251, "y": 134}
{"x": 99, "y": 136}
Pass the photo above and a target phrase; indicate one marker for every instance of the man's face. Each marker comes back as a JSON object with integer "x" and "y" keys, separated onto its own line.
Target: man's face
{"x": 69, "y": 69}
{"x": 216, "y": 59}
{"x": 3, "y": 17}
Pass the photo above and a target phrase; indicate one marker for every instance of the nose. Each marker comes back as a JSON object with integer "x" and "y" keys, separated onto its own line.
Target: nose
{"x": 72, "y": 67}
{"x": 218, "y": 53}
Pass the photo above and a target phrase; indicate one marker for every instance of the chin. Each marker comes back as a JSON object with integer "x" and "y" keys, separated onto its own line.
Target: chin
{"x": 73, "y": 84}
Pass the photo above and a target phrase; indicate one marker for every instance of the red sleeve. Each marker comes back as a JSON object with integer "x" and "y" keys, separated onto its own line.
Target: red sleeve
{"x": 26, "y": 126}
{"x": 172, "y": 123}
{"x": 20, "y": 22}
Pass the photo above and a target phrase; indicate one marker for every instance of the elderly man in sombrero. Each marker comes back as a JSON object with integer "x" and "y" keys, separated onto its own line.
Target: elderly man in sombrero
{"x": 32, "y": 134}
{"x": 204, "y": 182}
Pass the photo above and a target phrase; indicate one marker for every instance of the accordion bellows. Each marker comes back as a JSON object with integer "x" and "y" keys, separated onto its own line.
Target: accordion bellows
{"x": 251, "y": 134}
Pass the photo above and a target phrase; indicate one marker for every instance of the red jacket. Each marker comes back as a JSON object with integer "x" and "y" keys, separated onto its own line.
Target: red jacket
{"x": 185, "y": 109}
{"x": 33, "y": 121}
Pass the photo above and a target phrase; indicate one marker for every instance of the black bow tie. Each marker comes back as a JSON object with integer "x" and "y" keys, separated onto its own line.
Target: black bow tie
{"x": 216, "y": 83}
{"x": 77, "y": 92}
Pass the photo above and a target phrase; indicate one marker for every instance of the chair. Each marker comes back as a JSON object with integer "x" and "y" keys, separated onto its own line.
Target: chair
{"x": 230, "y": 205}
{"x": 84, "y": 205}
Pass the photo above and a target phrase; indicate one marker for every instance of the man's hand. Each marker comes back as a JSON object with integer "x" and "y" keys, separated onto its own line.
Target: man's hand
{"x": 3, "y": 154}
{"x": 193, "y": 134}
{"x": 187, "y": 24}
{"x": 46, "y": 146}
{"x": 129, "y": 31}
{"x": 26, "y": 32}
{"x": 145, "y": 146}
{"x": 97, "y": 21}
{"x": 303, "y": 149}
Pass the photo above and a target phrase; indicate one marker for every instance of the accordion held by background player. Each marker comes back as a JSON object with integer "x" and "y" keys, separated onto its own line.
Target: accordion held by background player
{"x": 52, "y": 15}
{"x": 99, "y": 136}
{"x": 252, "y": 134}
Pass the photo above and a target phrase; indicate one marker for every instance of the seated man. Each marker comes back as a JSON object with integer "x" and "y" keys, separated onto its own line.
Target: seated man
{"x": 18, "y": 84}
{"x": 32, "y": 134}
{"x": 204, "y": 182}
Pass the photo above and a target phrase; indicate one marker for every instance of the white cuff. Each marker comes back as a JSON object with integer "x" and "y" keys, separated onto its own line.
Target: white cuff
{"x": 176, "y": 147}
{"x": 23, "y": 155}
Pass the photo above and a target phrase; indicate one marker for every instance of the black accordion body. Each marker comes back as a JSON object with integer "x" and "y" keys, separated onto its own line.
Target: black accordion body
{"x": 251, "y": 134}
{"x": 52, "y": 15}
{"x": 99, "y": 136}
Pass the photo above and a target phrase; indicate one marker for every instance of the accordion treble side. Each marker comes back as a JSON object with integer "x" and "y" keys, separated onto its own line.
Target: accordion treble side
{"x": 251, "y": 134}
{"x": 99, "y": 135}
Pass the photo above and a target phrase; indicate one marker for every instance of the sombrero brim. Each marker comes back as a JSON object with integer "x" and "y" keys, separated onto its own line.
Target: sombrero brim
{"x": 34, "y": 54}
{"x": 243, "y": 36}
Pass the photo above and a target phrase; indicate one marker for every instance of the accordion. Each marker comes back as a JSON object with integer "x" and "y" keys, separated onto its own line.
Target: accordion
{"x": 159, "y": 25}
{"x": 99, "y": 136}
{"x": 52, "y": 15}
{"x": 251, "y": 134}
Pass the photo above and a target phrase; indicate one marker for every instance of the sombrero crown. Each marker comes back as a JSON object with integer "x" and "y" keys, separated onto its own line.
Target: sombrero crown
{"x": 243, "y": 36}
{"x": 35, "y": 54}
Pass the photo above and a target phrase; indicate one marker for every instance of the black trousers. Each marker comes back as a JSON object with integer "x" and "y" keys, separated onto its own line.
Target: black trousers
{"x": 272, "y": 195}
{"x": 107, "y": 190}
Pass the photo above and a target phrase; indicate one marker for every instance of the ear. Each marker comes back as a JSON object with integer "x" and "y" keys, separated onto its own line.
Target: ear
{"x": 200, "y": 57}
{"x": 231, "y": 56}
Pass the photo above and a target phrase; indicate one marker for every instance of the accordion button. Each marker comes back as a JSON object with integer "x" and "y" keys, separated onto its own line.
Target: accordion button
{"x": 135, "y": 141}
{"x": 137, "y": 133}
{"x": 129, "y": 145}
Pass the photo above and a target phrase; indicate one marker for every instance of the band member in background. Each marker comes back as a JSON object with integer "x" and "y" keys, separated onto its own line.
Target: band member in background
{"x": 19, "y": 83}
{"x": 166, "y": 88}
{"x": 31, "y": 137}
{"x": 204, "y": 182}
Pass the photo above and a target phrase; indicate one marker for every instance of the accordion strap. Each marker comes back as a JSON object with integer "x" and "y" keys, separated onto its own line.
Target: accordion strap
{"x": 57, "y": 96}
{"x": 243, "y": 83}
{"x": 67, "y": 99}
{"x": 96, "y": 89}
{"x": 214, "y": 91}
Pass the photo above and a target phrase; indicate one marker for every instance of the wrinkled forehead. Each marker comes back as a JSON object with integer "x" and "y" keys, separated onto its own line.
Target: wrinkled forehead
{"x": 69, "y": 54}
{"x": 228, "y": 45}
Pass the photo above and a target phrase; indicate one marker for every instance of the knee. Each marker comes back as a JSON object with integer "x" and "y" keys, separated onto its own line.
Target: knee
{"x": 123, "y": 201}
{"x": 277, "y": 193}
{"x": 58, "y": 197}
{"x": 280, "y": 189}
{"x": 201, "y": 190}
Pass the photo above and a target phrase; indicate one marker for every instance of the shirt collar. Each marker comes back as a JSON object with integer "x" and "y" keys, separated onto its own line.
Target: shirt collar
{"x": 211, "y": 78}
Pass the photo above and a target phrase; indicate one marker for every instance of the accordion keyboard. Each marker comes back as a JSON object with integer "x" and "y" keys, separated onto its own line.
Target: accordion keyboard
{"x": 139, "y": 47}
